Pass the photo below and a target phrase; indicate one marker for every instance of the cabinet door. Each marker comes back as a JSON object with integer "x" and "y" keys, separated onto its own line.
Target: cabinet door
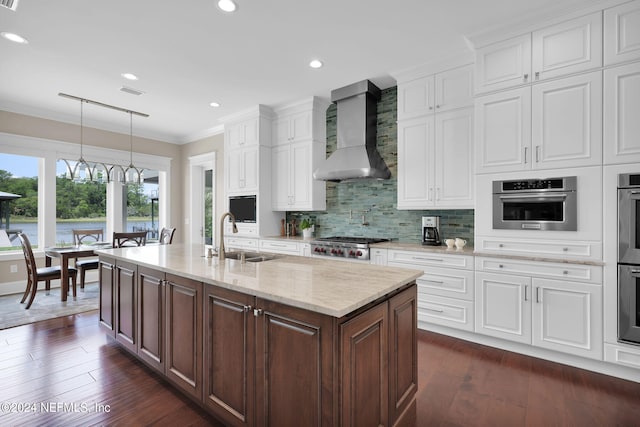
{"x": 403, "y": 353}
{"x": 183, "y": 331}
{"x": 300, "y": 126}
{"x": 281, "y": 185}
{"x": 281, "y": 131}
{"x": 454, "y": 165}
{"x": 107, "y": 295}
{"x": 621, "y": 35}
{"x": 567, "y": 317}
{"x": 621, "y": 107}
{"x": 569, "y": 47}
{"x": 250, "y": 168}
{"x": 229, "y": 351}
{"x": 150, "y": 345}
{"x": 503, "y": 131}
{"x": 454, "y": 89}
{"x": 365, "y": 381}
{"x": 415, "y": 157}
{"x": 415, "y": 98}
{"x": 234, "y": 171}
{"x": 294, "y": 366}
{"x": 567, "y": 122}
{"x": 126, "y": 300}
{"x": 504, "y": 64}
{"x": 503, "y": 306}
{"x": 301, "y": 175}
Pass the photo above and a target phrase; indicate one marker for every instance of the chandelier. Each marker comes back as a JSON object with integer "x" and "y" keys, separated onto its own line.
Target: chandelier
{"x": 83, "y": 170}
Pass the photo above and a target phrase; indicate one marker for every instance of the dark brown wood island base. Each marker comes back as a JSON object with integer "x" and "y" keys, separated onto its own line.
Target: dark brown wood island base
{"x": 251, "y": 361}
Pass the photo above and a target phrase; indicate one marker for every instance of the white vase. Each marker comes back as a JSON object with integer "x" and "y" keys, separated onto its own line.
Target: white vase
{"x": 306, "y": 233}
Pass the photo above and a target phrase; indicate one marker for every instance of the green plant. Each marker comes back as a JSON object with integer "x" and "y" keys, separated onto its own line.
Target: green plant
{"x": 305, "y": 224}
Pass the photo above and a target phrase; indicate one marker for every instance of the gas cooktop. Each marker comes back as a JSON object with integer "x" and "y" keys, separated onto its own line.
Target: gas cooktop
{"x": 356, "y": 240}
{"x": 354, "y": 248}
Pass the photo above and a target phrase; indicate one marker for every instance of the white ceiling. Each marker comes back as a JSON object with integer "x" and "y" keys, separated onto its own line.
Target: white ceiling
{"x": 189, "y": 53}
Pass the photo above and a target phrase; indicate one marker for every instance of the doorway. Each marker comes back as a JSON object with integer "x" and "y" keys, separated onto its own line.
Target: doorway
{"x": 202, "y": 205}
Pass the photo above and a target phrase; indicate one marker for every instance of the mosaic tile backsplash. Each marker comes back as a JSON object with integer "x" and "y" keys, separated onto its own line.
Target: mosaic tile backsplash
{"x": 368, "y": 208}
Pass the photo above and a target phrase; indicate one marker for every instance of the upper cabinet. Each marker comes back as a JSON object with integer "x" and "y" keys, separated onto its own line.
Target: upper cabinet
{"x": 566, "y": 48}
{"x": 437, "y": 92}
{"x": 242, "y": 134}
{"x": 554, "y": 124}
{"x": 299, "y": 138}
{"x": 622, "y": 33}
{"x": 435, "y": 140}
{"x": 621, "y": 108}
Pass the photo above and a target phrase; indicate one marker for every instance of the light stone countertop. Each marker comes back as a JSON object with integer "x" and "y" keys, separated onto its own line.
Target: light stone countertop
{"x": 418, "y": 247}
{"x": 324, "y": 286}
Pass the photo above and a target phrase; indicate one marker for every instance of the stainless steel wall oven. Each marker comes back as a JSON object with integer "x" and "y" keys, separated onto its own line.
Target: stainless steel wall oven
{"x": 629, "y": 258}
{"x": 536, "y": 204}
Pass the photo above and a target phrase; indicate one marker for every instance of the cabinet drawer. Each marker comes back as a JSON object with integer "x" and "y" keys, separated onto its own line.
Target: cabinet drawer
{"x": 279, "y": 246}
{"x": 565, "y": 271}
{"x": 622, "y": 355}
{"x": 241, "y": 243}
{"x": 445, "y": 311}
{"x": 411, "y": 259}
{"x": 447, "y": 282}
{"x": 540, "y": 248}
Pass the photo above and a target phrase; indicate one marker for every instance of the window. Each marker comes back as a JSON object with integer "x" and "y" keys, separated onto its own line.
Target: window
{"x": 142, "y": 205}
{"x": 18, "y": 200}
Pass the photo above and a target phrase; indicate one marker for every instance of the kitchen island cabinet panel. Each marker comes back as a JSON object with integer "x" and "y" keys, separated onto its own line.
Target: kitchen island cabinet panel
{"x": 229, "y": 349}
{"x": 125, "y": 284}
{"x": 150, "y": 347}
{"x": 365, "y": 386}
{"x": 184, "y": 334}
{"x": 107, "y": 294}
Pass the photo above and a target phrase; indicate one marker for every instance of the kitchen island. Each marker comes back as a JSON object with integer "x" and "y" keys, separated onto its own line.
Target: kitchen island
{"x": 287, "y": 341}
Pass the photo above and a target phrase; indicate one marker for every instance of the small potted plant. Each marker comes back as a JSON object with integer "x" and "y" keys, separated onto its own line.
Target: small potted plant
{"x": 307, "y": 228}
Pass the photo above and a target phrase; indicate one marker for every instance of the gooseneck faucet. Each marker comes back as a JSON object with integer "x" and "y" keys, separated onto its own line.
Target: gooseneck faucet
{"x": 221, "y": 255}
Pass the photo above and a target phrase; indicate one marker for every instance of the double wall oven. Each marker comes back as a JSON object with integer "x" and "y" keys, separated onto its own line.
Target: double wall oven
{"x": 629, "y": 258}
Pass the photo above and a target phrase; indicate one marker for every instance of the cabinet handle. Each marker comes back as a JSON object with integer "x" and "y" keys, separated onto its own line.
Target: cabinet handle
{"x": 434, "y": 309}
{"x": 437, "y": 282}
{"x": 537, "y": 153}
{"x": 538, "y": 299}
{"x": 427, "y": 259}
{"x": 430, "y": 194}
{"x": 565, "y": 249}
{"x": 247, "y": 308}
{"x": 437, "y": 193}
{"x": 526, "y": 77}
{"x": 565, "y": 272}
{"x": 277, "y": 245}
{"x": 437, "y": 106}
{"x": 526, "y": 290}
{"x": 430, "y": 107}
{"x": 501, "y": 245}
{"x": 525, "y": 155}
{"x": 537, "y": 75}
{"x": 257, "y": 312}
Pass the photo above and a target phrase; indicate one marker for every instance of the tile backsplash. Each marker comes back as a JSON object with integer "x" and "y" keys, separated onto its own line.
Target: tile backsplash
{"x": 368, "y": 208}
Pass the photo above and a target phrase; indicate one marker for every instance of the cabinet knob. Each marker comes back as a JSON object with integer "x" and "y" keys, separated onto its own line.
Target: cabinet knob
{"x": 247, "y": 308}
{"x": 526, "y": 77}
{"x": 537, "y": 75}
{"x": 257, "y": 312}
{"x": 500, "y": 266}
{"x": 565, "y": 272}
{"x": 501, "y": 245}
{"x": 565, "y": 249}
{"x": 430, "y": 108}
{"x": 437, "y": 106}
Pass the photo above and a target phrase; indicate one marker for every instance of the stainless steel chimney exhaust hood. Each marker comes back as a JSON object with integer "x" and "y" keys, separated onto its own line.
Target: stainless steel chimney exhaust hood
{"x": 356, "y": 156}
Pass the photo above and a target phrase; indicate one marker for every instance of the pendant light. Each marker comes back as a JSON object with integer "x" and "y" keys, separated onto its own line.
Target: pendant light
{"x": 82, "y": 169}
{"x": 132, "y": 175}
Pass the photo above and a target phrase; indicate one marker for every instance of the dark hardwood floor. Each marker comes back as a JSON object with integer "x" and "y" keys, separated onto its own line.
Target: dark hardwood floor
{"x": 66, "y": 372}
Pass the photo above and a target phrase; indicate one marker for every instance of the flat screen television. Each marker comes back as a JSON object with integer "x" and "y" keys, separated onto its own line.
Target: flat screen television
{"x": 243, "y": 208}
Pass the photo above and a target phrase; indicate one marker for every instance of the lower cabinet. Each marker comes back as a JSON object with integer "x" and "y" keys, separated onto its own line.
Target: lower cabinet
{"x": 558, "y": 315}
{"x": 255, "y": 362}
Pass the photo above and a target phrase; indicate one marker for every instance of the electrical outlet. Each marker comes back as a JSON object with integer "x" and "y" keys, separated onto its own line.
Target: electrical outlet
{"x": 13, "y": 268}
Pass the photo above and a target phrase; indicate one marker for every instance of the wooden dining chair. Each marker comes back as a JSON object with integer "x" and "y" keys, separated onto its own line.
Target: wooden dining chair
{"x": 43, "y": 274}
{"x": 83, "y": 237}
{"x": 166, "y": 236}
{"x": 135, "y": 238}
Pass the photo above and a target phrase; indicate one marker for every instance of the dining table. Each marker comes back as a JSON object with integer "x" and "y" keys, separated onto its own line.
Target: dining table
{"x": 64, "y": 254}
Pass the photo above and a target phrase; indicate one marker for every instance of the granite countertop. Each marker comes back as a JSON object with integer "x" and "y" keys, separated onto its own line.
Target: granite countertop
{"x": 324, "y": 286}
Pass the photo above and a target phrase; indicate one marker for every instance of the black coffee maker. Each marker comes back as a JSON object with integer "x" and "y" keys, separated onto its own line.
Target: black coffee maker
{"x": 431, "y": 230}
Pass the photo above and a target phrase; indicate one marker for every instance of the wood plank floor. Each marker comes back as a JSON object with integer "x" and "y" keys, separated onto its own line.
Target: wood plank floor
{"x": 69, "y": 361}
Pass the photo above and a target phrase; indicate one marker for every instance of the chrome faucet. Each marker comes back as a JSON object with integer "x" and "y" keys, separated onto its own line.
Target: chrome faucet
{"x": 221, "y": 255}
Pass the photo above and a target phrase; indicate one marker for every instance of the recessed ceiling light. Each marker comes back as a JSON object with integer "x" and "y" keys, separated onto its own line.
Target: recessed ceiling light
{"x": 14, "y": 37}
{"x": 215, "y": 104}
{"x": 316, "y": 63}
{"x": 129, "y": 76}
{"x": 227, "y": 5}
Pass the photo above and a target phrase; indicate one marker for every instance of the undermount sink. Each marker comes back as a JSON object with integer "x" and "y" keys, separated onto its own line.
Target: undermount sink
{"x": 250, "y": 256}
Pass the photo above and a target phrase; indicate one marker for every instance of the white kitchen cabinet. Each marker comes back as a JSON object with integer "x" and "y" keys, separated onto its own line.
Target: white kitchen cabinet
{"x": 504, "y": 64}
{"x": 621, "y": 34}
{"x": 299, "y": 147}
{"x": 555, "y": 124}
{"x": 445, "y": 290}
{"x": 242, "y": 170}
{"x": 443, "y": 91}
{"x": 242, "y": 243}
{"x": 569, "y": 47}
{"x": 621, "y": 112}
{"x": 242, "y": 134}
{"x": 435, "y": 161}
{"x": 559, "y": 315}
{"x": 280, "y": 246}
{"x": 378, "y": 256}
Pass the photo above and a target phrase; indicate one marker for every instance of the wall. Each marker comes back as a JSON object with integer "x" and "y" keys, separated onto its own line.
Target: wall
{"x": 377, "y": 200}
